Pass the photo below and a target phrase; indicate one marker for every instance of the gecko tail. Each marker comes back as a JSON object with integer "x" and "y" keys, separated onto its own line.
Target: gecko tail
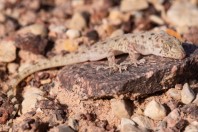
{"x": 12, "y": 98}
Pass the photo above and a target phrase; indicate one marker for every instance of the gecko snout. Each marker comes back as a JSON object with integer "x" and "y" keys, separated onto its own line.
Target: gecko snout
{"x": 182, "y": 55}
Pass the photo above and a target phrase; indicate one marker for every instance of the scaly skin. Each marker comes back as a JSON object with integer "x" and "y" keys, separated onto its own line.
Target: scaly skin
{"x": 156, "y": 43}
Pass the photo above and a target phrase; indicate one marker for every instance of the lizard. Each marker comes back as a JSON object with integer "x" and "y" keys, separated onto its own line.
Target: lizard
{"x": 157, "y": 43}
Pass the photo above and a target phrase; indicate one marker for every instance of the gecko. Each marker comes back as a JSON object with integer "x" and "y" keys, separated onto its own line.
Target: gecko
{"x": 157, "y": 43}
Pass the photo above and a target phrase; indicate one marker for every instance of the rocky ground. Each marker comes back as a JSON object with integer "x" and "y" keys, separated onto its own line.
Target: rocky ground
{"x": 159, "y": 95}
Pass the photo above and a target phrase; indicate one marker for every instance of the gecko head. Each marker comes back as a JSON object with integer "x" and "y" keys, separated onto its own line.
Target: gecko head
{"x": 170, "y": 47}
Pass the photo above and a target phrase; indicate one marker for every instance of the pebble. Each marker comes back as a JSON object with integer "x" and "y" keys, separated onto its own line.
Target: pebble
{"x": 73, "y": 123}
{"x": 116, "y": 17}
{"x": 156, "y": 19}
{"x": 31, "y": 96}
{"x": 65, "y": 44}
{"x": 36, "y": 29}
{"x": 187, "y": 95}
{"x": 183, "y": 13}
{"x": 193, "y": 127}
{"x": 196, "y": 100}
{"x": 7, "y": 51}
{"x": 31, "y": 42}
{"x": 78, "y": 22}
{"x": 12, "y": 67}
{"x": 62, "y": 128}
{"x": 93, "y": 35}
{"x": 143, "y": 121}
{"x": 173, "y": 117}
{"x": 46, "y": 81}
{"x": 155, "y": 110}
{"x": 72, "y": 33}
{"x": 128, "y": 5}
{"x": 174, "y": 93}
{"x": 118, "y": 32}
{"x": 27, "y": 18}
{"x": 57, "y": 29}
{"x": 121, "y": 108}
{"x": 128, "y": 125}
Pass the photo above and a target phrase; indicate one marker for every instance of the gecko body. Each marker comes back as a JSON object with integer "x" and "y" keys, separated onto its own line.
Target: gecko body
{"x": 157, "y": 43}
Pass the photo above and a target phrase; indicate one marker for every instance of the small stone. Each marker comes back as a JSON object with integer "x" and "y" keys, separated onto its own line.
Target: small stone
{"x": 78, "y": 22}
{"x": 73, "y": 123}
{"x": 7, "y": 51}
{"x": 173, "y": 118}
{"x": 93, "y": 35}
{"x": 178, "y": 86}
{"x": 191, "y": 110}
{"x": 46, "y": 81}
{"x": 4, "y": 115}
{"x": 118, "y": 32}
{"x": 191, "y": 35}
{"x": 143, "y": 122}
{"x": 69, "y": 45}
{"x": 155, "y": 110}
{"x": 31, "y": 42}
{"x": 181, "y": 124}
{"x": 193, "y": 127}
{"x": 196, "y": 100}
{"x": 183, "y": 13}
{"x": 36, "y": 29}
{"x": 162, "y": 125}
{"x": 187, "y": 95}
{"x": 116, "y": 17}
{"x": 31, "y": 96}
{"x": 156, "y": 19}
{"x": 128, "y": 125}
{"x": 12, "y": 68}
{"x": 121, "y": 108}
{"x": 172, "y": 104}
{"x": 56, "y": 29}
{"x": 128, "y": 5}
{"x": 72, "y": 33}
{"x": 62, "y": 128}
{"x": 174, "y": 93}
{"x": 27, "y": 18}
{"x": 65, "y": 45}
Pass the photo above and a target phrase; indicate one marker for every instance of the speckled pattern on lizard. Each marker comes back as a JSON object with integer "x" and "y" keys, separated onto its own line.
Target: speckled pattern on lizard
{"x": 145, "y": 43}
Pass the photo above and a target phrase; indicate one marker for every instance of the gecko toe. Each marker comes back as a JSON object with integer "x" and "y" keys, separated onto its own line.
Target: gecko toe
{"x": 113, "y": 68}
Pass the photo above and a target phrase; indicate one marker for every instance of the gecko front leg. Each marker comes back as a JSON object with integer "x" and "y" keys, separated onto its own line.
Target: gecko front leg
{"x": 134, "y": 56}
{"x": 134, "y": 60}
{"x": 112, "y": 63}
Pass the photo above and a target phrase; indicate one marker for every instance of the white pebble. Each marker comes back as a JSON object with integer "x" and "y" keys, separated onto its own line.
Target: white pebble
{"x": 187, "y": 95}
{"x": 143, "y": 121}
{"x": 193, "y": 127}
{"x": 7, "y": 51}
{"x": 174, "y": 93}
{"x": 128, "y": 125}
{"x": 31, "y": 96}
{"x": 121, "y": 108}
{"x": 12, "y": 67}
{"x": 72, "y": 33}
{"x": 78, "y": 22}
{"x": 155, "y": 110}
{"x": 36, "y": 29}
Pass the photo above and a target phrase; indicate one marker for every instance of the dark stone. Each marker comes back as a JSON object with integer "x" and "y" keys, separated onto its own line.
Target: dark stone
{"x": 156, "y": 74}
{"x": 191, "y": 110}
{"x": 30, "y": 42}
